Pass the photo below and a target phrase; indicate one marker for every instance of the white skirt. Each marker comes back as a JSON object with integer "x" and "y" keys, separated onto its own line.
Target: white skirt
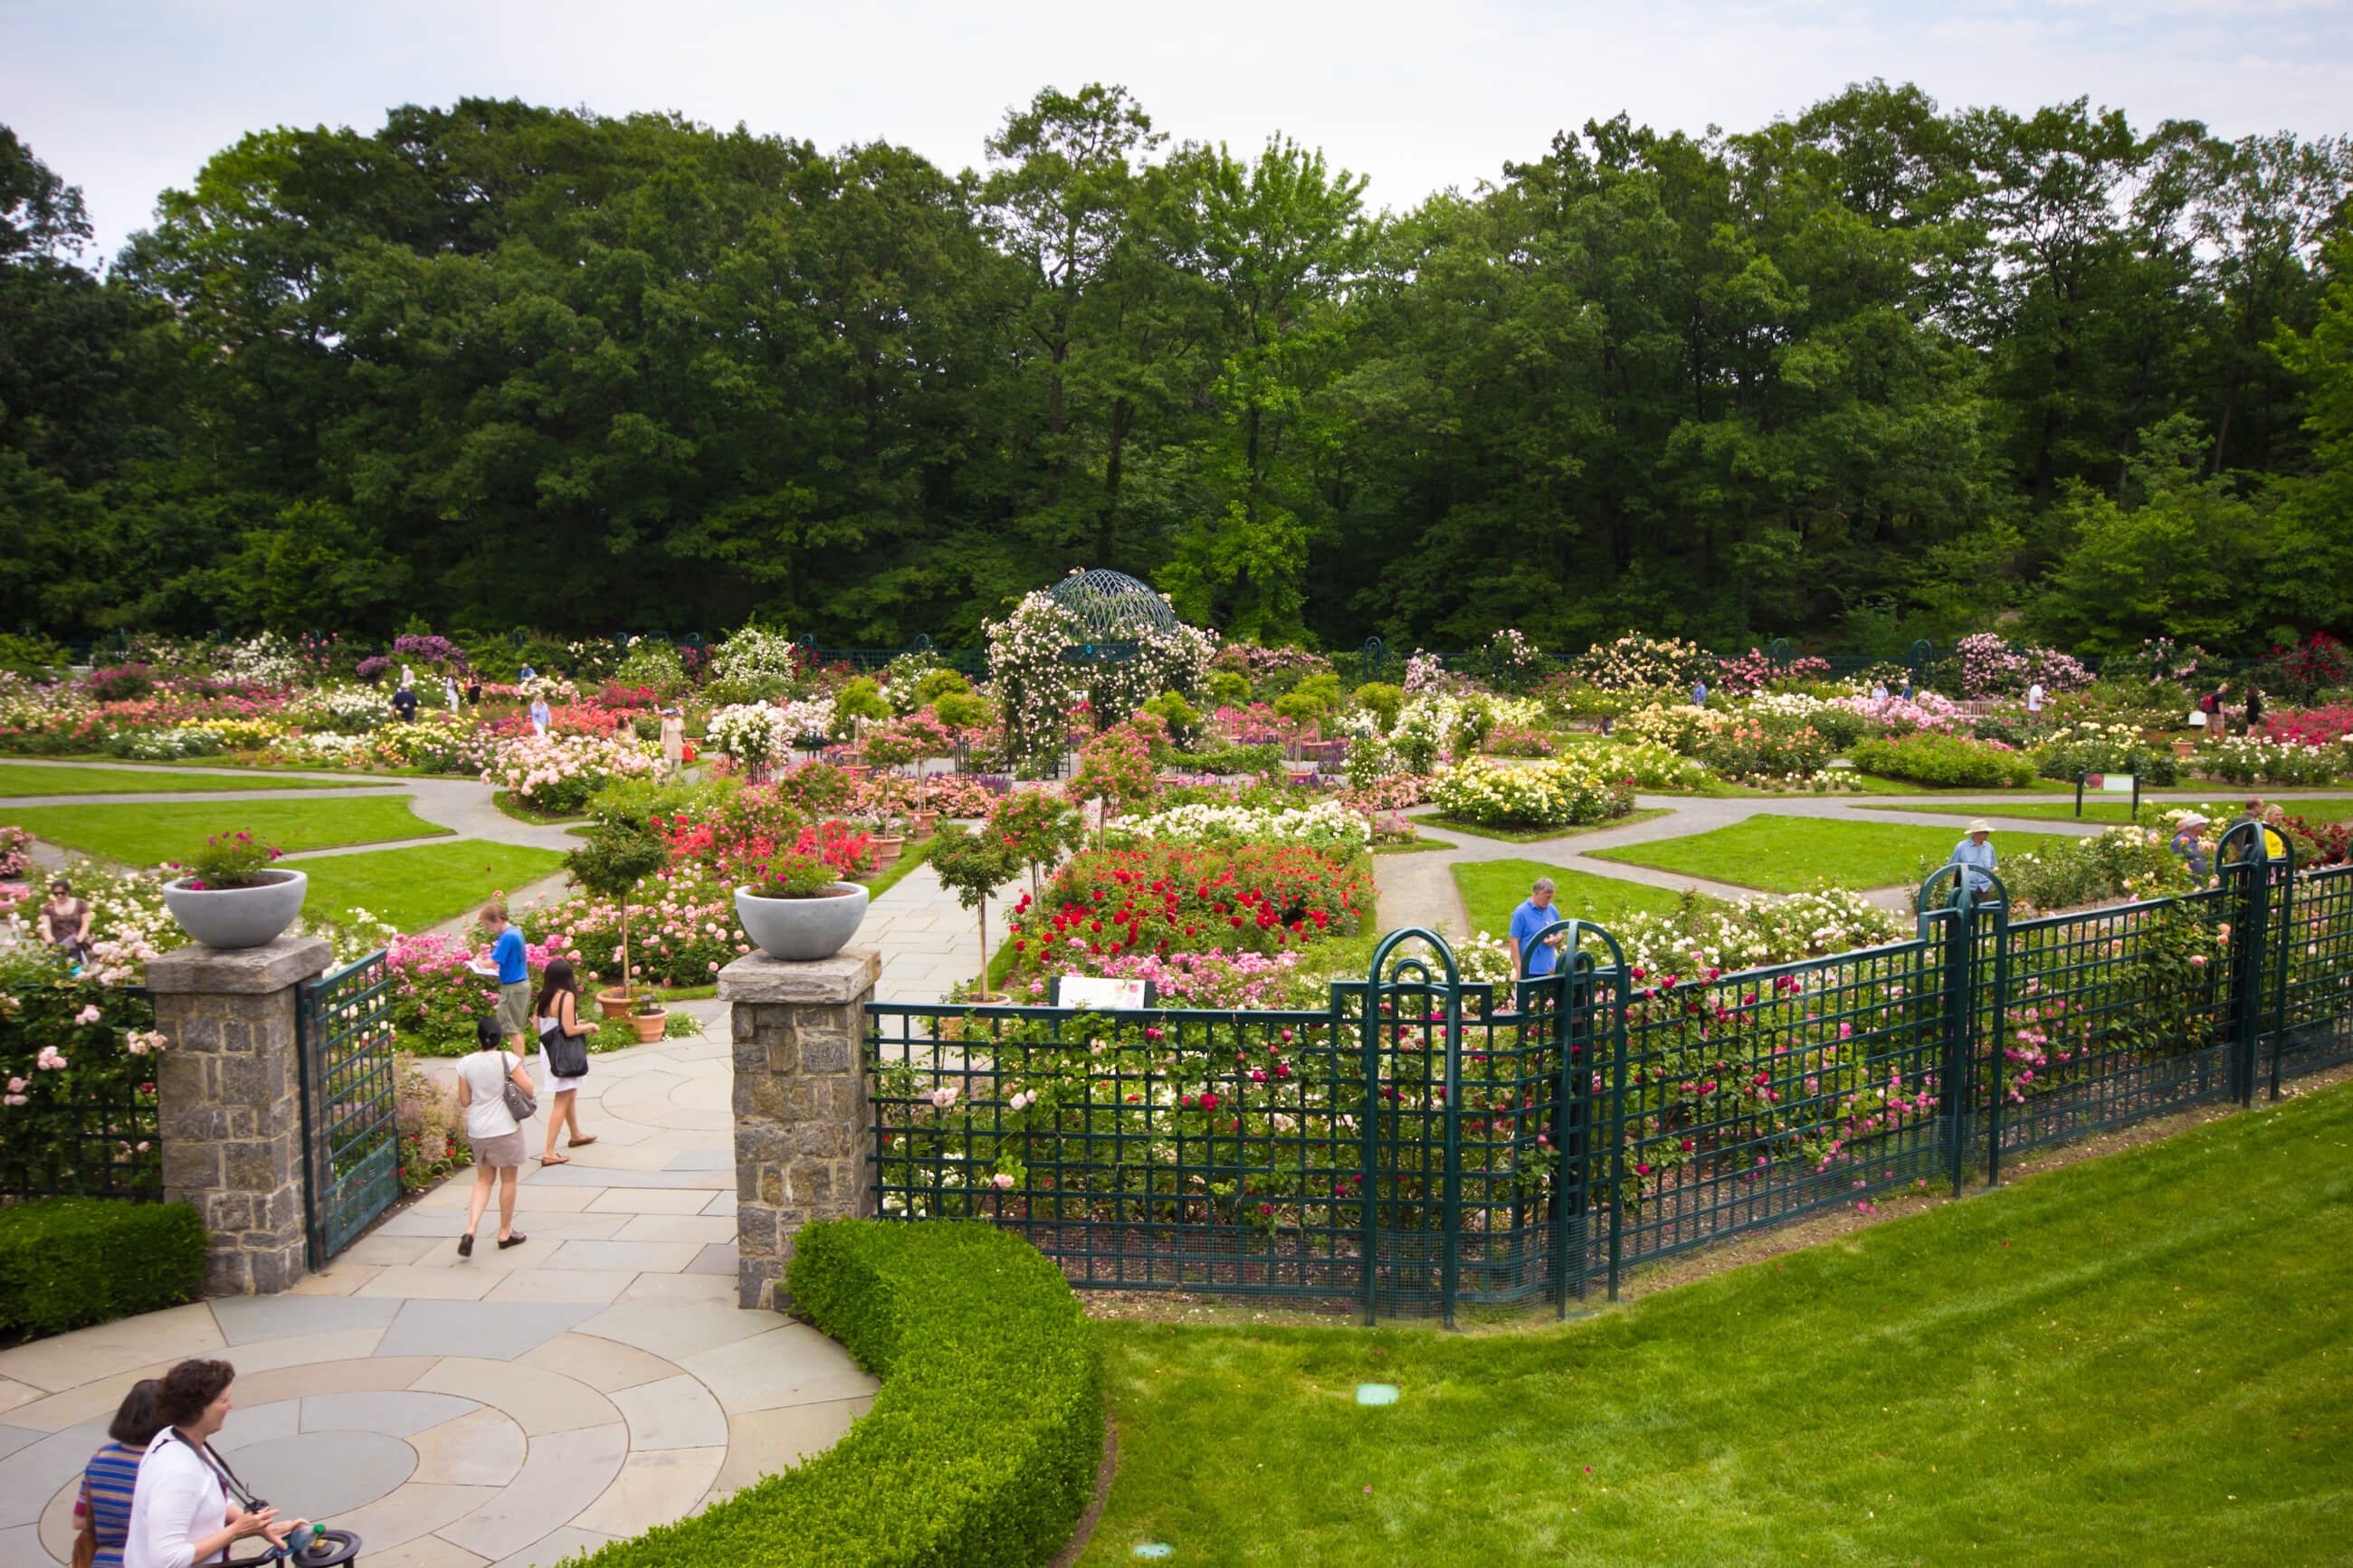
{"x": 551, "y": 1081}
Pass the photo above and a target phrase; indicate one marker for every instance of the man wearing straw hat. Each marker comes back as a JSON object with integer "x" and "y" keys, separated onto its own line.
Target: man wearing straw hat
{"x": 1975, "y": 856}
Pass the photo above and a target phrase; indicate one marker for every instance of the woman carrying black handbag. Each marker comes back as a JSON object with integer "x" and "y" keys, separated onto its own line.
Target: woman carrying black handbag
{"x": 563, "y": 1054}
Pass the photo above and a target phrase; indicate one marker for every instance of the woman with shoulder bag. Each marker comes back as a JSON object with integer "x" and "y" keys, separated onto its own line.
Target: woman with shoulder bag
{"x": 496, "y": 1092}
{"x": 563, "y": 1054}
{"x": 188, "y": 1506}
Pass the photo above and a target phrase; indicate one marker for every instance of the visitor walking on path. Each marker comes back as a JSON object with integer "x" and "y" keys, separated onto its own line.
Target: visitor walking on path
{"x": 404, "y": 703}
{"x": 562, "y": 1056}
{"x": 450, "y": 692}
{"x": 102, "y": 1512}
{"x": 1975, "y": 855}
{"x": 673, "y": 740}
{"x": 492, "y": 1129}
{"x": 509, "y": 964}
{"x": 188, "y": 1506}
{"x": 540, "y": 717}
{"x": 2254, "y": 706}
{"x": 1699, "y": 692}
{"x": 1532, "y": 955}
{"x": 2034, "y": 695}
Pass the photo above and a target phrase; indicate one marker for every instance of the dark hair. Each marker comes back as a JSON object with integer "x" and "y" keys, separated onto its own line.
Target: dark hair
{"x": 59, "y": 885}
{"x": 188, "y": 1388}
{"x": 487, "y": 1037}
{"x": 135, "y": 1421}
{"x": 559, "y": 977}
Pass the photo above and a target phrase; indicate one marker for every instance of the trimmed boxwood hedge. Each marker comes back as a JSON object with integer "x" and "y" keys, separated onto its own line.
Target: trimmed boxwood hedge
{"x": 66, "y": 1263}
{"x": 982, "y": 1447}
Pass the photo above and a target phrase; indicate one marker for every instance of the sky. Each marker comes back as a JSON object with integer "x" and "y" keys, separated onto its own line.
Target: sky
{"x": 126, "y": 99}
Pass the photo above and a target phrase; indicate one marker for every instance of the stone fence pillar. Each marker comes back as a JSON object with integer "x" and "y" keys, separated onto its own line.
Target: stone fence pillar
{"x": 801, "y": 1108}
{"x": 229, "y": 1103}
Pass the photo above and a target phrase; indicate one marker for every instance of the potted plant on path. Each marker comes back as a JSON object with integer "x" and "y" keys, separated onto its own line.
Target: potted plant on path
{"x": 972, "y": 863}
{"x": 798, "y": 902}
{"x": 612, "y": 859}
{"x": 227, "y": 894}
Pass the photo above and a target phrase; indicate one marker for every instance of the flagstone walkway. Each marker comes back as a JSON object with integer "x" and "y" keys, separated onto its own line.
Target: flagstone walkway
{"x": 510, "y": 1408}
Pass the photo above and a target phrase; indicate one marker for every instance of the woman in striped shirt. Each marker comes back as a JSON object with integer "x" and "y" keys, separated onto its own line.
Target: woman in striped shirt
{"x": 103, "y": 1511}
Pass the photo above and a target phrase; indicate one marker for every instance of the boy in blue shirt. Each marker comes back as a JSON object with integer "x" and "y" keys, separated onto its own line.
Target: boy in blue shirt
{"x": 512, "y": 970}
{"x": 1532, "y": 956}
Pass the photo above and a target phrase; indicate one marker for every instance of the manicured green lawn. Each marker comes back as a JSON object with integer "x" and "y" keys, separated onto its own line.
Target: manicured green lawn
{"x": 423, "y": 886}
{"x": 2108, "y": 809}
{"x": 48, "y": 778}
{"x": 1491, "y": 889}
{"x": 2143, "y": 1358}
{"x": 1542, "y": 834}
{"x": 144, "y": 835}
{"x": 1791, "y": 854}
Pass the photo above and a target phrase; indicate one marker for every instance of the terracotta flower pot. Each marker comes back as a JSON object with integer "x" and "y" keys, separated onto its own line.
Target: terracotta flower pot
{"x": 922, "y": 823}
{"x": 614, "y": 1002}
{"x": 649, "y": 1026}
{"x": 887, "y": 852}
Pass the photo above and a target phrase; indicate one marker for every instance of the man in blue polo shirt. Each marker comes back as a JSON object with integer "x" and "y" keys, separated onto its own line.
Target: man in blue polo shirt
{"x": 1533, "y": 957}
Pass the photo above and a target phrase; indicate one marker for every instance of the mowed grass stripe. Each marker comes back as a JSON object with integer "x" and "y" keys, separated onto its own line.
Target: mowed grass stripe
{"x": 145, "y": 834}
{"x": 1491, "y": 889}
{"x": 18, "y": 779}
{"x": 1793, "y": 853}
{"x": 425, "y": 884}
{"x": 2142, "y": 1358}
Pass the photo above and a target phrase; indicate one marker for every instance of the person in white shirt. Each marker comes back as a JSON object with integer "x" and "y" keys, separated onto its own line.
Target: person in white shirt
{"x": 2033, "y": 704}
{"x": 187, "y": 1508}
{"x": 491, "y": 1129}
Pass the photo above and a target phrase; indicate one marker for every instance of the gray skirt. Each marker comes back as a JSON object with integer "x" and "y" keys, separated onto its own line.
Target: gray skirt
{"x": 503, "y": 1153}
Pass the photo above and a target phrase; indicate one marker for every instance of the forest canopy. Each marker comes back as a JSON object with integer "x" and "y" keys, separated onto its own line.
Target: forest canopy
{"x": 1875, "y": 372}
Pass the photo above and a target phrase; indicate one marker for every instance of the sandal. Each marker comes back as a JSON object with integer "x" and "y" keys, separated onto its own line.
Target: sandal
{"x": 517, "y": 1239}
{"x": 555, "y": 1158}
{"x": 575, "y": 1143}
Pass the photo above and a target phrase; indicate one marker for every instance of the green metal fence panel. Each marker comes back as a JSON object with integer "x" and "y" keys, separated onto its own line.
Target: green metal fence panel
{"x": 107, "y": 1145}
{"x": 2317, "y": 941}
{"x": 1751, "y": 1098}
{"x": 1420, "y": 1144}
{"x": 350, "y": 1118}
{"x": 2110, "y": 1017}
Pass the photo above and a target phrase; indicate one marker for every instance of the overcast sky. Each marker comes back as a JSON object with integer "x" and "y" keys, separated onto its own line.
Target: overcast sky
{"x": 126, "y": 99}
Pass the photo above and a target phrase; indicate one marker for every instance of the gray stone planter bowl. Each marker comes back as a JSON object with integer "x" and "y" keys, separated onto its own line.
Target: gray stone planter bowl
{"x": 801, "y": 929}
{"x": 238, "y": 917}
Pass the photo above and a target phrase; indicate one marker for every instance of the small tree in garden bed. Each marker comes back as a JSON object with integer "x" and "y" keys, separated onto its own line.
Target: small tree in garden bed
{"x": 1116, "y": 768}
{"x": 972, "y": 863}
{"x": 1040, "y": 826}
{"x": 616, "y": 857}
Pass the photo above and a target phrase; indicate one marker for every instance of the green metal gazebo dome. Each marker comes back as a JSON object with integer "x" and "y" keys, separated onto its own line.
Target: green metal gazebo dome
{"x": 1113, "y": 607}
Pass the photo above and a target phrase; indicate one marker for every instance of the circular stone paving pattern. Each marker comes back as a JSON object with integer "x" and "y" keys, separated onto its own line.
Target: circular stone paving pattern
{"x": 326, "y": 1475}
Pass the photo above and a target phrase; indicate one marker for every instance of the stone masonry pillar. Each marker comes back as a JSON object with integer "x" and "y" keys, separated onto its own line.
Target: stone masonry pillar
{"x": 801, "y": 1108}
{"x": 228, "y": 1101}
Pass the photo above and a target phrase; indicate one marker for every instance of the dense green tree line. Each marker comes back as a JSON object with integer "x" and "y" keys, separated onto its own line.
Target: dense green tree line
{"x": 1876, "y": 371}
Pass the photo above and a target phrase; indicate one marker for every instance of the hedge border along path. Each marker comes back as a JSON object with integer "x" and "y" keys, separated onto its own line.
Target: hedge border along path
{"x": 69, "y": 1262}
{"x": 981, "y": 1449}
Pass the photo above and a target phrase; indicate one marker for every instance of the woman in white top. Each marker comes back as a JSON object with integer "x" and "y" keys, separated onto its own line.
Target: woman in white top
{"x": 491, "y": 1129}
{"x": 181, "y": 1509}
{"x": 557, "y": 1010}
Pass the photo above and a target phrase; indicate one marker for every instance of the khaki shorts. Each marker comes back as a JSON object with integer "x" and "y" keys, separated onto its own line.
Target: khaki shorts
{"x": 514, "y": 1008}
